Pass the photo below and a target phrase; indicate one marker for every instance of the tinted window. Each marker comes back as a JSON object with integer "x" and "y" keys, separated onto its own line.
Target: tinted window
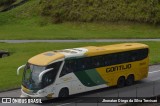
{"x": 49, "y": 77}
{"x": 69, "y": 66}
{"x": 127, "y": 56}
{"x": 86, "y": 63}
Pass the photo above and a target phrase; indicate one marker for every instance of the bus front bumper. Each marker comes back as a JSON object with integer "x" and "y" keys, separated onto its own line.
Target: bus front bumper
{"x": 43, "y": 97}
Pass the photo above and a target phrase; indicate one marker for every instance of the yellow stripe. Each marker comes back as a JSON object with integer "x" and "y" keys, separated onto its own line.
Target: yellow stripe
{"x": 25, "y": 89}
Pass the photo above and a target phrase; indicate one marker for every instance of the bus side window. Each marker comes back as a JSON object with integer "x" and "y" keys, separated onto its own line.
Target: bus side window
{"x": 88, "y": 63}
{"x": 101, "y": 60}
{"x": 143, "y": 53}
{"x": 111, "y": 59}
{"x": 95, "y": 62}
{"x": 135, "y": 55}
{"x": 98, "y": 61}
{"x": 69, "y": 66}
{"x": 82, "y": 64}
{"x": 50, "y": 76}
{"x": 124, "y": 57}
{"x": 105, "y": 61}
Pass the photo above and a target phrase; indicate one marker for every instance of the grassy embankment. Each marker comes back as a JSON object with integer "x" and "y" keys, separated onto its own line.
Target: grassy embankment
{"x": 26, "y": 22}
{"x": 22, "y": 52}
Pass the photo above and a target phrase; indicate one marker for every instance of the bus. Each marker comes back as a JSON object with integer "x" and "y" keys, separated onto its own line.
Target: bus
{"x": 61, "y": 73}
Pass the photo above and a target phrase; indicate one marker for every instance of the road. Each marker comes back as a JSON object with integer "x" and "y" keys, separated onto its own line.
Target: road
{"x": 148, "y": 87}
{"x": 82, "y": 40}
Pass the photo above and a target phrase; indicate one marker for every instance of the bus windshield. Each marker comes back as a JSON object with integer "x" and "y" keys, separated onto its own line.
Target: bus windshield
{"x": 31, "y": 76}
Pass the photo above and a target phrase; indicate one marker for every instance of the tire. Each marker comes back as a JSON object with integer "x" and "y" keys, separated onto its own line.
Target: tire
{"x": 130, "y": 80}
{"x": 63, "y": 93}
{"x": 4, "y": 55}
{"x": 121, "y": 82}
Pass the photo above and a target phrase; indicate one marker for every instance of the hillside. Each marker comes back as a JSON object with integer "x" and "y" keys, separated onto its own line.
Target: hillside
{"x": 20, "y": 13}
{"x": 77, "y": 19}
{"x": 142, "y": 11}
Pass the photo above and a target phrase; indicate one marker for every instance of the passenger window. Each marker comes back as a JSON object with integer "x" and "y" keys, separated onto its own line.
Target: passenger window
{"x": 69, "y": 66}
{"x": 50, "y": 76}
{"x": 81, "y": 64}
{"x": 95, "y": 62}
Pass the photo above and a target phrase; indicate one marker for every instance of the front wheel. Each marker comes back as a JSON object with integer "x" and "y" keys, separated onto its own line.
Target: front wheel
{"x": 63, "y": 93}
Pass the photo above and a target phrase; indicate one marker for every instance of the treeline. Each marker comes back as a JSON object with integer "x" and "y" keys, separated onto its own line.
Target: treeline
{"x": 143, "y": 11}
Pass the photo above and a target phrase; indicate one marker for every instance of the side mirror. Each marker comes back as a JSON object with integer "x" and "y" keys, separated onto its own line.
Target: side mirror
{"x": 19, "y": 68}
{"x": 43, "y": 72}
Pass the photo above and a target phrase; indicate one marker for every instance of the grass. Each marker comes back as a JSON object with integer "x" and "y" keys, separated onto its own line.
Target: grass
{"x": 22, "y": 52}
{"x": 32, "y": 29}
{"x": 25, "y": 22}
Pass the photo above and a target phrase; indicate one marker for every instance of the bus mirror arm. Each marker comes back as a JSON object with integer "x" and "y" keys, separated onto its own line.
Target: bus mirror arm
{"x": 22, "y": 66}
{"x": 43, "y": 72}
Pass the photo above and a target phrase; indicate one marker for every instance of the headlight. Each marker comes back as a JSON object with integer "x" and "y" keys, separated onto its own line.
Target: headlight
{"x": 50, "y": 96}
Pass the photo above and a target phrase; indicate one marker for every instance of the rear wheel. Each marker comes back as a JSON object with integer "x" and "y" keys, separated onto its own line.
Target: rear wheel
{"x": 130, "y": 80}
{"x": 63, "y": 93}
{"x": 121, "y": 82}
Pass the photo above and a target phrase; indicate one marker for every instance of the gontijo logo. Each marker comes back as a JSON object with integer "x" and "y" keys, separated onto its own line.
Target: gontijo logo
{"x": 118, "y": 68}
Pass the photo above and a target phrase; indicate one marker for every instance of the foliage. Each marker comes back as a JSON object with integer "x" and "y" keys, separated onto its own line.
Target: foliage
{"x": 143, "y": 11}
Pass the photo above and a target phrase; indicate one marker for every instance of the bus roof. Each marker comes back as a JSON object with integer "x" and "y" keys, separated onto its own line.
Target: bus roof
{"x": 93, "y": 50}
{"x": 46, "y": 58}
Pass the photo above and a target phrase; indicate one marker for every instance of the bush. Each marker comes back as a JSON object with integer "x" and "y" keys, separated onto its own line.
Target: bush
{"x": 143, "y": 11}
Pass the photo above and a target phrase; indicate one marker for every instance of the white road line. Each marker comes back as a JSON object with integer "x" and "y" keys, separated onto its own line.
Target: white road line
{"x": 68, "y": 103}
{"x": 63, "y": 104}
{"x": 154, "y": 72}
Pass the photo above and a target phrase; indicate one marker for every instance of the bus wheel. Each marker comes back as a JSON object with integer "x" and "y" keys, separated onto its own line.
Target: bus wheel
{"x": 130, "y": 80}
{"x": 121, "y": 82}
{"x": 63, "y": 92}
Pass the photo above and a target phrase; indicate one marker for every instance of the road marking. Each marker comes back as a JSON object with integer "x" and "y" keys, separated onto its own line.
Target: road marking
{"x": 69, "y": 103}
{"x": 64, "y": 104}
{"x": 154, "y": 71}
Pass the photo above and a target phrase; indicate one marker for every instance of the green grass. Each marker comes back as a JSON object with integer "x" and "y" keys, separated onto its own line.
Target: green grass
{"x": 25, "y": 22}
{"x": 22, "y": 52}
{"x": 33, "y": 29}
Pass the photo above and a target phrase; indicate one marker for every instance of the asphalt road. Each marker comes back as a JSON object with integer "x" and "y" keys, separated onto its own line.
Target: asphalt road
{"x": 148, "y": 87}
{"x": 82, "y": 40}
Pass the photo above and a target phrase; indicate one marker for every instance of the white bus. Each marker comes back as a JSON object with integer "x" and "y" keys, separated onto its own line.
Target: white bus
{"x": 61, "y": 73}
